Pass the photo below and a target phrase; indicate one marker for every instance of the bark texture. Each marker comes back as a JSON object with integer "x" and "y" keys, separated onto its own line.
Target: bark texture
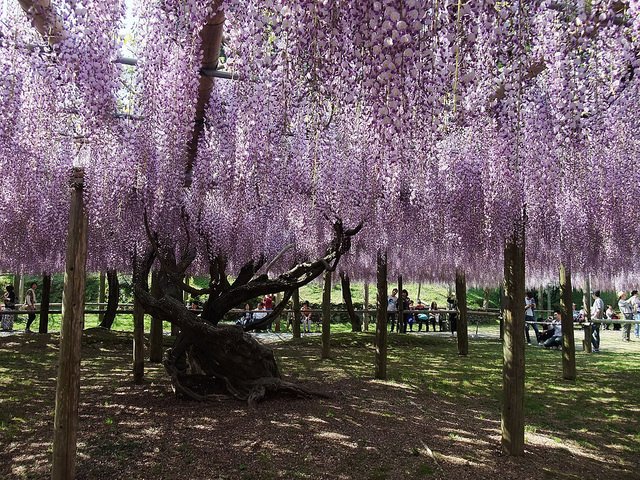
{"x": 112, "y": 300}
{"x": 208, "y": 359}
{"x": 513, "y": 347}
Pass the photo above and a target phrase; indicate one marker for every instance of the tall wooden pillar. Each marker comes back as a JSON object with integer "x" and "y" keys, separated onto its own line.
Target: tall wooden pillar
{"x": 326, "y": 315}
{"x": 138, "y": 342}
{"x": 512, "y": 423}
{"x": 381, "y": 317}
{"x": 400, "y": 326}
{"x": 155, "y": 334}
{"x": 587, "y": 315}
{"x": 101, "y": 296}
{"x": 365, "y": 307}
{"x": 68, "y": 384}
{"x": 17, "y": 281}
{"x": 568, "y": 343}
{"x": 296, "y": 313}
{"x": 461, "y": 298}
{"x": 43, "y": 325}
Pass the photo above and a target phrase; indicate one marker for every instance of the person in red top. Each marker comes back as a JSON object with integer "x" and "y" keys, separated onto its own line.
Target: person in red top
{"x": 268, "y": 302}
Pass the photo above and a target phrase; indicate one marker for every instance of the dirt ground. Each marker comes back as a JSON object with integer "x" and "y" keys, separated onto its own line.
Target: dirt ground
{"x": 367, "y": 430}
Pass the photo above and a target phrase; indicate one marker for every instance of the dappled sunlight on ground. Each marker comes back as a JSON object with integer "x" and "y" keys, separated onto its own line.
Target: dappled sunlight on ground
{"x": 437, "y": 416}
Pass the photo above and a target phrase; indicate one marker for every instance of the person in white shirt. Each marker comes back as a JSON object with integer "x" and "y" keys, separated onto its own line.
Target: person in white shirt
{"x": 626, "y": 309}
{"x": 392, "y": 308}
{"x": 530, "y": 317}
{"x": 556, "y": 338}
{"x": 597, "y": 314}
{"x": 30, "y": 302}
{"x": 635, "y": 305}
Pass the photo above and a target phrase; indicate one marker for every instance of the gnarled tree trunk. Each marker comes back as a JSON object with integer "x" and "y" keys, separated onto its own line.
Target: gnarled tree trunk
{"x": 356, "y": 325}
{"x": 112, "y": 301}
{"x": 208, "y": 359}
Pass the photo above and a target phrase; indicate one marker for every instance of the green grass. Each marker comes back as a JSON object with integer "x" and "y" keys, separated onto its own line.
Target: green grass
{"x": 599, "y": 409}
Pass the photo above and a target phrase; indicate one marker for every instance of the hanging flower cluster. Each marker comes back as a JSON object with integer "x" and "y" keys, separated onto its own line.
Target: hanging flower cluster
{"x": 442, "y": 125}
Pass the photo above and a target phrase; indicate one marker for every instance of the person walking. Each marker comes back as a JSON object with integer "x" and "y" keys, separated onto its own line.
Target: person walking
{"x": 530, "y": 317}
{"x": 306, "y": 317}
{"x": 635, "y": 306}
{"x": 392, "y": 308}
{"x": 597, "y": 314}
{"x": 626, "y": 309}
{"x": 30, "y": 302}
{"x": 9, "y": 298}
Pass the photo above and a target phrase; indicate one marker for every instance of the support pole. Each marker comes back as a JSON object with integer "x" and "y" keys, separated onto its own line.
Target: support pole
{"x": 568, "y": 343}
{"x": 155, "y": 340}
{"x": 326, "y": 315}
{"x": 138, "y": 342}
{"x": 400, "y": 326}
{"x": 587, "y": 315}
{"x": 68, "y": 384}
{"x": 512, "y": 423}
{"x": 365, "y": 307}
{"x": 461, "y": 298}
{"x": 17, "y": 281}
{"x": 101, "y": 296}
{"x": 296, "y": 313}
{"x": 43, "y": 325}
{"x": 381, "y": 317}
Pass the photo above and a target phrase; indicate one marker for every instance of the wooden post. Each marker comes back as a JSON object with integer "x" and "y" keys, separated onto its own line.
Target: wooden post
{"x": 549, "y": 299}
{"x": 43, "y": 325}
{"x": 20, "y": 290}
{"x": 296, "y": 313}
{"x": 502, "y": 311}
{"x": 68, "y": 384}
{"x": 101, "y": 295}
{"x": 568, "y": 343}
{"x": 365, "y": 307}
{"x": 17, "y": 281}
{"x": 540, "y": 301}
{"x": 512, "y": 423}
{"x": 155, "y": 340}
{"x": 587, "y": 315}
{"x": 461, "y": 298}
{"x": 418, "y": 295}
{"x": 326, "y": 315}
{"x": 185, "y": 295}
{"x": 138, "y": 342}
{"x": 276, "y": 322}
{"x": 400, "y": 326}
{"x": 381, "y": 318}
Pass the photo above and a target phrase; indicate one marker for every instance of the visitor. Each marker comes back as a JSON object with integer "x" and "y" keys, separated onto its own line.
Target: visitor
{"x": 626, "y": 309}
{"x": 421, "y": 317}
{"x": 577, "y": 316}
{"x": 435, "y": 317}
{"x": 306, "y": 317}
{"x": 410, "y": 318}
{"x": 30, "y": 302}
{"x": 9, "y": 298}
{"x": 259, "y": 314}
{"x": 452, "y": 304}
{"x": 610, "y": 314}
{"x": 530, "y": 317}
{"x": 268, "y": 302}
{"x": 246, "y": 316}
{"x": 597, "y": 314}
{"x": 635, "y": 306}
{"x": 392, "y": 308}
{"x": 402, "y": 322}
{"x": 556, "y": 337}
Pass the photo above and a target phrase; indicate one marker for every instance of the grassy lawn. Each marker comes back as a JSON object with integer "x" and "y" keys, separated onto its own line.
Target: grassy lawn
{"x": 432, "y": 397}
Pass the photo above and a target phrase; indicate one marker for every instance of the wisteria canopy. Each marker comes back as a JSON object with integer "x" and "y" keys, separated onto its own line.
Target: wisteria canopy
{"x": 440, "y": 124}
